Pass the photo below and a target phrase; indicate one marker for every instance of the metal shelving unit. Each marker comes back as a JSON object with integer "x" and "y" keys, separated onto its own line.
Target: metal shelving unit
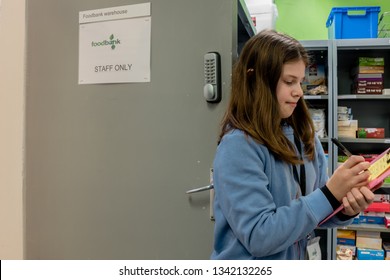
{"x": 364, "y": 96}
{"x": 368, "y": 227}
{"x": 370, "y": 110}
{"x": 341, "y": 54}
{"x": 321, "y": 49}
{"x": 365, "y": 140}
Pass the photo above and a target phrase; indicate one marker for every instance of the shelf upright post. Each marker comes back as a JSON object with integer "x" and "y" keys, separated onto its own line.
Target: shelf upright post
{"x": 333, "y": 104}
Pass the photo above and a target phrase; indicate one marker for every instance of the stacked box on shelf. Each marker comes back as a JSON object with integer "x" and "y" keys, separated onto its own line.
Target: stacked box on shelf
{"x": 386, "y": 248}
{"x": 368, "y": 75}
{"x": 368, "y": 240}
{"x": 319, "y": 119}
{"x": 344, "y": 113}
{"x": 347, "y": 129}
{"x": 379, "y": 207}
{"x": 371, "y": 218}
{"x": 375, "y": 213}
{"x": 381, "y": 197}
{"x": 345, "y": 252}
{"x": 387, "y": 220}
{"x": 370, "y": 254}
{"x": 371, "y": 132}
{"x": 345, "y": 249}
{"x": 315, "y": 80}
{"x": 346, "y": 237}
{"x": 347, "y": 126}
{"x": 369, "y": 157}
{"x": 369, "y": 245}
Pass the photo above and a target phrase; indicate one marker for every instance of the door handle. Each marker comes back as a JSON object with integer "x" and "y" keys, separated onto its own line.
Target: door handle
{"x": 201, "y": 189}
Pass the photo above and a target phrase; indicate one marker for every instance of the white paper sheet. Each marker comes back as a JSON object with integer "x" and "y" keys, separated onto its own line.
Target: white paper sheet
{"x": 114, "y": 46}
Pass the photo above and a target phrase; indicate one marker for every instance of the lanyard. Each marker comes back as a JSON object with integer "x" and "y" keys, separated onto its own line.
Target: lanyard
{"x": 302, "y": 174}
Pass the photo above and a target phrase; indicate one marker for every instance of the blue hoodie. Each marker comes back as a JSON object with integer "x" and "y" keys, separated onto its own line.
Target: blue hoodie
{"x": 258, "y": 208}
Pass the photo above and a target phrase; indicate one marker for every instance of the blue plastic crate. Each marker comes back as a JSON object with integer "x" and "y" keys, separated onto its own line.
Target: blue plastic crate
{"x": 353, "y": 22}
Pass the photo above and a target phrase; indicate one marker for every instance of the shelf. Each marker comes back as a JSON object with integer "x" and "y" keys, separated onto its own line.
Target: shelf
{"x": 363, "y": 96}
{"x": 367, "y": 227}
{"x": 357, "y": 44}
{"x": 315, "y": 44}
{"x": 365, "y": 140}
{"x": 316, "y": 97}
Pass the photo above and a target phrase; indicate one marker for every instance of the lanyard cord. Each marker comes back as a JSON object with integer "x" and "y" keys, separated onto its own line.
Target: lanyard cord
{"x": 302, "y": 176}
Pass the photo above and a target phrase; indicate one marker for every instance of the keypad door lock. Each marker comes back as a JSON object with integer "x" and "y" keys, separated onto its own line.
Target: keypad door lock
{"x": 212, "y": 77}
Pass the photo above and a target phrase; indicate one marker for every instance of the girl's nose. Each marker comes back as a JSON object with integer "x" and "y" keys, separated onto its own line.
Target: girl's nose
{"x": 298, "y": 91}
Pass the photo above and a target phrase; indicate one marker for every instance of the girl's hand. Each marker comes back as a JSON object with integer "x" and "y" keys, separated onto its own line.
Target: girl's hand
{"x": 351, "y": 174}
{"x": 357, "y": 200}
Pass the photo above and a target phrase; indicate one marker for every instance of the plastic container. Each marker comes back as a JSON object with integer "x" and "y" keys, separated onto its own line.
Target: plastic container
{"x": 384, "y": 25}
{"x": 263, "y": 13}
{"x": 353, "y": 22}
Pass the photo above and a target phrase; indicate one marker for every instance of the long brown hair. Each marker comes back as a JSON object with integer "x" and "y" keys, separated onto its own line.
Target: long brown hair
{"x": 253, "y": 106}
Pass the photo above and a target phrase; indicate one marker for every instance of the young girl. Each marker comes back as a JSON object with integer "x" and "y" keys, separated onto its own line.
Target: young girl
{"x": 270, "y": 179}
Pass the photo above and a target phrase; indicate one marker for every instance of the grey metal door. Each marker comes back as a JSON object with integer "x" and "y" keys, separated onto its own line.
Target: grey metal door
{"x": 107, "y": 166}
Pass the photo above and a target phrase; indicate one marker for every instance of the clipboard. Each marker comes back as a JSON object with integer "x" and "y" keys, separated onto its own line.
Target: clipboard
{"x": 380, "y": 170}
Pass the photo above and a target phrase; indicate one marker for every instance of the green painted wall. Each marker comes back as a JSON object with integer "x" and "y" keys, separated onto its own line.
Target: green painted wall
{"x": 306, "y": 19}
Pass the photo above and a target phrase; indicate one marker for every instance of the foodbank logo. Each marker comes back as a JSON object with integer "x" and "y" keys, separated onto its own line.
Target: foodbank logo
{"x": 111, "y": 42}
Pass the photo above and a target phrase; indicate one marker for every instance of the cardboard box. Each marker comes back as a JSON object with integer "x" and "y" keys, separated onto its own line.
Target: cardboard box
{"x": 356, "y": 221}
{"x": 369, "y": 157}
{"x": 367, "y": 70}
{"x": 378, "y": 207}
{"x": 373, "y": 132}
{"x": 346, "y": 237}
{"x": 346, "y": 233}
{"x": 347, "y": 129}
{"x": 347, "y": 133}
{"x": 344, "y": 248}
{"x": 366, "y": 233}
{"x": 370, "y": 254}
{"x": 380, "y": 197}
{"x": 386, "y": 248}
{"x": 343, "y": 125}
{"x": 345, "y": 252}
{"x": 346, "y": 241}
{"x": 343, "y": 110}
{"x": 371, "y": 61}
{"x": 386, "y": 220}
{"x": 369, "y": 242}
{"x": 343, "y": 117}
{"x": 367, "y": 85}
{"x": 369, "y": 219}
{"x": 314, "y": 77}
{"x": 367, "y": 90}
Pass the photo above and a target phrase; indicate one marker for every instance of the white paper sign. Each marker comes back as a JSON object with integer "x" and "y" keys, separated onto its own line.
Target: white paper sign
{"x": 114, "y": 48}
